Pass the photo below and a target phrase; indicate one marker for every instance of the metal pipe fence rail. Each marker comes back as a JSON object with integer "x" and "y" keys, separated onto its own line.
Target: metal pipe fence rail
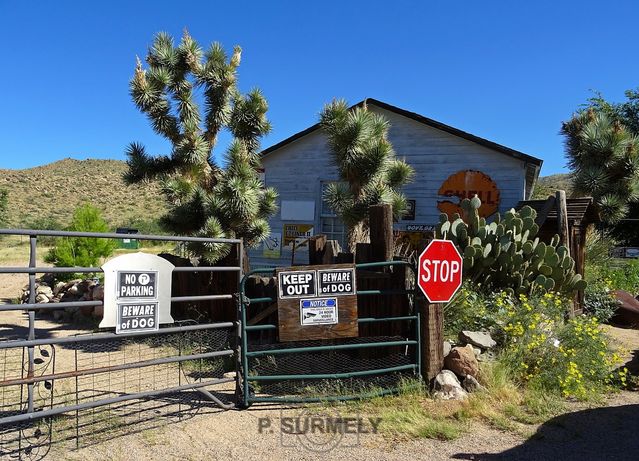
{"x": 329, "y": 370}
{"x": 104, "y": 369}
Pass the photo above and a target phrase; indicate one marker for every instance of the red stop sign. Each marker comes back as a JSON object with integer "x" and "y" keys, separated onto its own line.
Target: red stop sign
{"x": 439, "y": 274}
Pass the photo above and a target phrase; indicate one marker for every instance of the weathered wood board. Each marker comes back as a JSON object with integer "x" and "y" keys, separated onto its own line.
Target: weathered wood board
{"x": 317, "y": 302}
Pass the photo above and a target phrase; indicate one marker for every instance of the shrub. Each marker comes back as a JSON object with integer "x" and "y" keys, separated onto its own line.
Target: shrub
{"x": 45, "y": 223}
{"x": 4, "y": 208}
{"x": 82, "y": 251}
{"x": 573, "y": 358}
{"x": 471, "y": 309}
{"x": 600, "y": 302}
{"x": 619, "y": 274}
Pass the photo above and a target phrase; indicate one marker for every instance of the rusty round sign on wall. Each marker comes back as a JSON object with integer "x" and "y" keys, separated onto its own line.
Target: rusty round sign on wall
{"x": 467, "y": 184}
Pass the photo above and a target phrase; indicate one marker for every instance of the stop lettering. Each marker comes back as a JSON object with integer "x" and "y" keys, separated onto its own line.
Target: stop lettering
{"x": 439, "y": 274}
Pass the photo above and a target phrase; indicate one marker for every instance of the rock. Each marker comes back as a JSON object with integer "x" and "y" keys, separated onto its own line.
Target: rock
{"x": 58, "y": 287}
{"x": 98, "y": 311}
{"x": 447, "y": 387}
{"x": 470, "y": 384}
{"x": 57, "y": 315}
{"x": 476, "y": 351}
{"x": 45, "y": 290}
{"x": 477, "y": 338}
{"x": 73, "y": 290}
{"x": 42, "y": 299}
{"x": 47, "y": 279}
{"x": 97, "y": 294}
{"x": 229, "y": 374}
{"x": 462, "y": 361}
{"x": 447, "y": 348}
{"x": 86, "y": 310}
{"x": 628, "y": 310}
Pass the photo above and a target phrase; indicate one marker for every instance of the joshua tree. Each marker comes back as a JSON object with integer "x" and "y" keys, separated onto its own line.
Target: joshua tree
{"x": 205, "y": 199}
{"x": 369, "y": 171}
{"x": 604, "y": 157}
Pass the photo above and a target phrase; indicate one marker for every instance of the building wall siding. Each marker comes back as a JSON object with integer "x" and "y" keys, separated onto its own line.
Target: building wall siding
{"x": 297, "y": 169}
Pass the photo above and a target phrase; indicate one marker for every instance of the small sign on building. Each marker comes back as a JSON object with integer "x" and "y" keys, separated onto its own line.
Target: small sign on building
{"x": 317, "y": 302}
{"x": 137, "y": 293}
{"x": 297, "y": 233}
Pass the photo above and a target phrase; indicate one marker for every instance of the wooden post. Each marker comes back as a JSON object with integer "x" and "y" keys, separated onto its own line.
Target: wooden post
{"x": 316, "y": 249}
{"x": 564, "y": 236}
{"x": 432, "y": 332}
{"x": 562, "y": 219}
{"x": 380, "y": 218}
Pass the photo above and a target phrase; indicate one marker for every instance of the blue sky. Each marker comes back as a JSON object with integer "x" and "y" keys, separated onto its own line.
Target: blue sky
{"x": 507, "y": 71}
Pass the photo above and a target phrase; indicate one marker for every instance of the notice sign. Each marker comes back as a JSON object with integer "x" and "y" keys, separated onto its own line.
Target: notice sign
{"x": 137, "y": 284}
{"x": 134, "y": 317}
{"x": 316, "y": 302}
{"x": 295, "y": 284}
{"x": 336, "y": 281}
{"x": 318, "y": 311}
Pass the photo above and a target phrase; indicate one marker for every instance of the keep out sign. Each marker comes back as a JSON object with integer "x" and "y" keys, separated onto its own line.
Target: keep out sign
{"x": 294, "y": 284}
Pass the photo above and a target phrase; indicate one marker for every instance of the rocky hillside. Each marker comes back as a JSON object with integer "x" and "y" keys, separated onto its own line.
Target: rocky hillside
{"x": 549, "y": 184}
{"x": 50, "y": 193}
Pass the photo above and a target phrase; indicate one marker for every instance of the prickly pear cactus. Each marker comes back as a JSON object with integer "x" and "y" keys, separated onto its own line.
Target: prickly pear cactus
{"x": 506, "y": 253}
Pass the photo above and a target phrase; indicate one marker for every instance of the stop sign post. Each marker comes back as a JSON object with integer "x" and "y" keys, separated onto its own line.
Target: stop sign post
{"x": 439, "y": 274}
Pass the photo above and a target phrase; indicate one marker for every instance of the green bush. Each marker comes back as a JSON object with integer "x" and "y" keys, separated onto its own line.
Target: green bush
{"x": 600, "y": 302}
{"x": 619, "y": 274}
{"x": 541, "y": 349}
{"x": 45, "y": 223}
{"x": 545, "y": 352}
{"x": 4, "y": 208}
{"x": 470, "y": 309}
{"x": 82, "y": 251}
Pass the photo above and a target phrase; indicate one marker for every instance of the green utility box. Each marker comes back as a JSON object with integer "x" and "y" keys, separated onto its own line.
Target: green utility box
{"x": 127, "y": 242}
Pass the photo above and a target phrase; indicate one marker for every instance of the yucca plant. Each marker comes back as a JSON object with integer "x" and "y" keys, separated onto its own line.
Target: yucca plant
{"x": 604, "y": 157}
{"x": 369, "y": 171}
{"x": 206, "y": 199}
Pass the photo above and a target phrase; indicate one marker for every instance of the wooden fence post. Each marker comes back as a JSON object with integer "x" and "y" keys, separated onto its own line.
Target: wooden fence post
{"x": 562, "y": 219}
{"x": 432, "y": 340}
{"x": 380, "y": 219}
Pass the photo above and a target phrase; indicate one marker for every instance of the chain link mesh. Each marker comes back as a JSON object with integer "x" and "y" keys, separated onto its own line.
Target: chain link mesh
{"x": 330, "y": 362}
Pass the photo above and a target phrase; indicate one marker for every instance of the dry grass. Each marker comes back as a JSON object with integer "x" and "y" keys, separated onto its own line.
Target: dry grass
{"x": 503, "y": 405}
{"x": 53, "y": 191}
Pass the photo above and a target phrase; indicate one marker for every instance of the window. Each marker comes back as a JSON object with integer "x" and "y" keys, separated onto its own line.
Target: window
{"x": 330, "y": 224}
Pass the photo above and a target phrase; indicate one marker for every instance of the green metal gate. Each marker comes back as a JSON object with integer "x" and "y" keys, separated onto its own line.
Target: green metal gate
{"x": 336, "y": 369}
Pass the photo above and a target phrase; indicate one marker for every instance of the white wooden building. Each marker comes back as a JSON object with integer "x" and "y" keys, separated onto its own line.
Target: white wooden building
{"x": 299, "y": 167}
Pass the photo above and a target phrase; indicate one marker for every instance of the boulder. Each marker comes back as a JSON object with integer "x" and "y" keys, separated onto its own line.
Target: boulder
{"x": 44, "y": 290}
{"x": 462, "y": 361}
{"x": 447, "y": 387}
{"x": 98, "y": 311}
{"x": 97, "y": 294}
{"x": 41, "y": 299}
{"x": 58, "y": 287}
{"x": 477, "y": 338}
{"x": 628, "y": 310}
{"x": 470, "y": 384}
{"x": 447, "y": 347}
